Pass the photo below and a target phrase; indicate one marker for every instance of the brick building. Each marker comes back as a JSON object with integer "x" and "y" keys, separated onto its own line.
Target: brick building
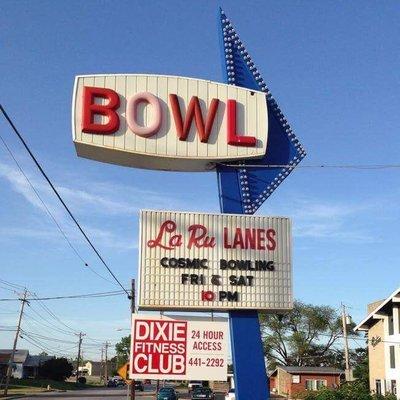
{"x": 289, "y": 381}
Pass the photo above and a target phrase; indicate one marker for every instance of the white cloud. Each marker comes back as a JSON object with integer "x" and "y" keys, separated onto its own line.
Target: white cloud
{"x": 328, "y": 219}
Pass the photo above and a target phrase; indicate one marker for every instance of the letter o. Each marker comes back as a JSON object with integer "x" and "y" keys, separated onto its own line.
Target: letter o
{"x": 173, "y": 262}
{"x": 131, "y": 114}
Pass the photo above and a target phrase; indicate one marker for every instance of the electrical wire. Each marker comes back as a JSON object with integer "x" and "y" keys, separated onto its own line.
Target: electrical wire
{"x": 46, "y": 325}
{"x": 51, "y": 215}
{"x": 54, "y": 316}
{"x": 40, "y": 346}
{"x": 77, "y": 296}
{"x": 81, "y": 296}
{"x": 14, "y": 285}
{"x": 324, "y": 166}
{"x": 52, "y": 339}
{"x": 10, "y": 122}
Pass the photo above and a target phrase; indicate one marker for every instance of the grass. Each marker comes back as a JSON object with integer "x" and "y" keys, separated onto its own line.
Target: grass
{"x": 30, "y": 386}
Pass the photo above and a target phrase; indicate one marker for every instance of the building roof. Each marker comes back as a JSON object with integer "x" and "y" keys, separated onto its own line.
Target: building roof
{"x": 36, "y": 361}
{"x": 20, "y": 356}
{"x": 382, "y": 309}
{"x": 309, "y": 370}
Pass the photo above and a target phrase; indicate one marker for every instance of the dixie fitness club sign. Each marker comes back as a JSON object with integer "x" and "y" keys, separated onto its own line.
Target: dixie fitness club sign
{"x": 210, "y": 261}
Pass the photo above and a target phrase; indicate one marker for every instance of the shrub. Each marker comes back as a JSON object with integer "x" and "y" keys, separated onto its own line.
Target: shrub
{"x": 57, "y": 369}
{"x": 348, "y": 391}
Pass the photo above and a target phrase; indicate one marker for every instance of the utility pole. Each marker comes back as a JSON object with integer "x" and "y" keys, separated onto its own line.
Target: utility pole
{"x": 106, "y": 362}
{"x": 79, "y": 356}
{"x": 346, "y": 343}
{"x": 102, "y": 364}
{"x": 11, "y": 360}
{"x": 133, "y": 306}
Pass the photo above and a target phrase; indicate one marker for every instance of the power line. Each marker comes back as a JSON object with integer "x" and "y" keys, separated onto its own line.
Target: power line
{"x": 77, "y": 296}
{"x": 51, "y": 215}
{"x": 52, "y": 339}
{"x": 42, "y": 347}
{"x": 49, "y": 312}
{"x": 321, "y": 166}
{"x": 59, "y": 197}
{"x": 14, "y": 285}
{"x": 46, "y": 325}
{"x": 41, "y": 200}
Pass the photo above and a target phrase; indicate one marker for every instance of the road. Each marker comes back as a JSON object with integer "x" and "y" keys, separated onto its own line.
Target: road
{"x": 104, "y": 393}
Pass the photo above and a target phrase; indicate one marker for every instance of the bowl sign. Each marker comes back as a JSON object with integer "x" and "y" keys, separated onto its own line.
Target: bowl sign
{"x": 167, "y": 122}
{"x": 168, "y": 348}
{"x": 193, "y": 261}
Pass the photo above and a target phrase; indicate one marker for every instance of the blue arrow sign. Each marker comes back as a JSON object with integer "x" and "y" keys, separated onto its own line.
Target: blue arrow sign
{"x": 243, "y": 184}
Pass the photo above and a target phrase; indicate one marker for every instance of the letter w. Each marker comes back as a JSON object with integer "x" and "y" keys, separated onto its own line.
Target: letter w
{"x": 194, "y": 110}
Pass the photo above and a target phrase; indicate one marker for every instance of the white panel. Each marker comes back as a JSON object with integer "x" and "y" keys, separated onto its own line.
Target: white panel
{"x": 161, "y": 286}
{"x": 86, "y": 137}
{"x": 196, "y": 348}
{"x": 164, "y": 150}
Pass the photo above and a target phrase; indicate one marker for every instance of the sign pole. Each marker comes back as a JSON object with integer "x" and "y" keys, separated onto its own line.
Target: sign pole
{"x": 133, "y": 306}
{"x": 251, "y": 380}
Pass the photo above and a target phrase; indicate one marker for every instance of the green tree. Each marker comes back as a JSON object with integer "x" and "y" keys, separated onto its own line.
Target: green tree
{"x": 359, "y": 359}
{"x": 122, "y": 349}
{"x": 57, "y": 369}
{"x": 304, "y": 336}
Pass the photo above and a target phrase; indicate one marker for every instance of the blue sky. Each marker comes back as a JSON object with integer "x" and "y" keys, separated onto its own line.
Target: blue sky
{"x": 332, "y": 66}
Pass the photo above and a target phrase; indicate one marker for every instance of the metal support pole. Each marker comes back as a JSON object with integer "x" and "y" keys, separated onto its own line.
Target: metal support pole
{"x": 133, "y": 306}
{"x": 11, "y": 360}
{"x": 250, "y": 376}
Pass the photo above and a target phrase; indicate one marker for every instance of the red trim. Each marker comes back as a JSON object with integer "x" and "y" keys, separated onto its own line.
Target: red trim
{"x": 194, "y": 110}
{"x": 90, "y": 109}
{"x": 233, "y": 138}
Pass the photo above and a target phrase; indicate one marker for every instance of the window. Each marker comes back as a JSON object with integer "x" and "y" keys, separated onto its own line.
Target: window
{"x": 315, "y": 384}
{"x": 378, "y": 386}
{"x": 320, "y": 383}
{"x": 392, "y": 357}
{"x": 393, "y": 387}
{"x": 391, "y": 326}
{"x": 309, "y": 384}
{"x": 295, "y": 378}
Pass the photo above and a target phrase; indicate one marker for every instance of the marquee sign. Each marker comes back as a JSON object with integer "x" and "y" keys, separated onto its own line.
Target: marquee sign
{"x": 184, "y": 348}
{"x": 193, "y": 261}
{"x": 167, "y": 122}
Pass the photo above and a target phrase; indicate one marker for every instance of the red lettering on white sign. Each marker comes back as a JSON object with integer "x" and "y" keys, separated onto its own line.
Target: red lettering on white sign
{"x": 159, "y": 347}
{"x": 204, "y": 125}
{"x": 90, "y": 109}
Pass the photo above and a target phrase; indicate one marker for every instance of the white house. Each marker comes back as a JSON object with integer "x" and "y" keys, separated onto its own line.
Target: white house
{"x": 382, "y": 326}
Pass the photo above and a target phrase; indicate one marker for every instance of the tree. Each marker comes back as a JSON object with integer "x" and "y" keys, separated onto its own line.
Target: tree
{"x": 57, "y": 369}
{"x": 361, "y": 367}
{"x": 304, "y": 336}
{"x": 122, "y": 349}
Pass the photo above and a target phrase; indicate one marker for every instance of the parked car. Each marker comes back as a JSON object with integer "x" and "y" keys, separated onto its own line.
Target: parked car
{"x": 111, "y": 383}
{"x": 194, "y": 384}
{"x": 139, "y": 386}
{"x": 167, "y": 393}
{"x": 230, "y": 395}
{"x": 202, "y": 393}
